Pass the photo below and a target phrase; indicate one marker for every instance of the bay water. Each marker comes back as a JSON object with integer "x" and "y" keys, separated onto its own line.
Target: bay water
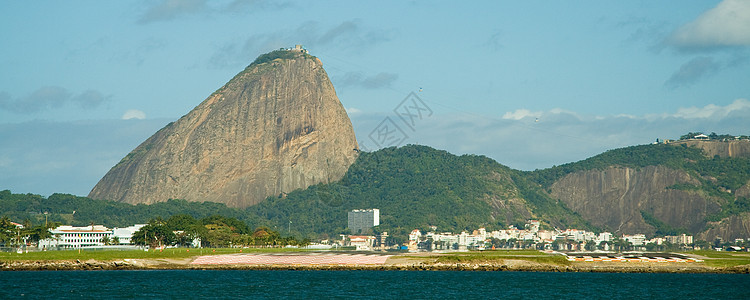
{"x": 221, "y": 284}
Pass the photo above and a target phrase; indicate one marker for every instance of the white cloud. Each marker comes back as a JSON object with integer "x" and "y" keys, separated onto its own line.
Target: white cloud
{"x": 521, "y": 113}
{"x": 527, "y": 140}
{"x": 353, "y": 110}
{"x": 134, "y": 114}
{"x": 712, "y": 111}
{"x": 726, "y": 25}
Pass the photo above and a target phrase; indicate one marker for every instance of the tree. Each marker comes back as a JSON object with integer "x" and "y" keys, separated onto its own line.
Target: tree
{"x": 218, "y": 235}
{"x": 590, "y": 246}
{"x": 37, "y": 233}
{"x": 154, "y": 234}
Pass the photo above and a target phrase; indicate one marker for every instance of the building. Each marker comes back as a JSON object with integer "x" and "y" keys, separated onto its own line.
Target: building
{"x": 635, "y": 239}
{"x": 533, "y": 225}
{"x": 124, "y": 235}
{"x": 361, "y": 242}
{"x": 69, "y": 237}
{"x": 682, "y": 239}
{"x": 362, "y": 220}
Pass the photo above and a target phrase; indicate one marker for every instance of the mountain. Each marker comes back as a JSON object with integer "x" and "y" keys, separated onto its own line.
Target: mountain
{"x": 275, "y": 127}
{"x": 417, "y": 187}
{"x": 691, "y": 186}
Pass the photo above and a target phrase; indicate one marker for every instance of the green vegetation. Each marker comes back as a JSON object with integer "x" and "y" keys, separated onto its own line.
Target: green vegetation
{"x": 718, "y": 176}
{"x": 499, "y": 256}
{"x": 662, "y": 229}
{"x": 13, "y": 236}
{"x": 110, "y": 255}
{"x": 278, "y": 54}
{"x": 713, "y": 136}
{"x": 552, "y": 211}
{"x": 633, "y": 157}
{"x": 723, "y": 259}
{"x": 414, "y": 187}
{"x": 213, "y": 232}
{"x": 81, "y": 211}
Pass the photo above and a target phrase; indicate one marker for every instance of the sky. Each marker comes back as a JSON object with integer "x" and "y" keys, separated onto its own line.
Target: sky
{"x": 530, "y": 84}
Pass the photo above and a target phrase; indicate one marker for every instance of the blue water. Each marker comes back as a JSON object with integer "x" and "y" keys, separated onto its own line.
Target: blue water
{"x": 193, "y": 284}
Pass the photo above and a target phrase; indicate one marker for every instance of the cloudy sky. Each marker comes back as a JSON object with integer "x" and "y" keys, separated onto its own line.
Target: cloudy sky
{"x": 530, "y": 84}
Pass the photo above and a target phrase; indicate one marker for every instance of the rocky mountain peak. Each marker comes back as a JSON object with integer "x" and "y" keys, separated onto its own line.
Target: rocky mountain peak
{"x": 275, "y": 127}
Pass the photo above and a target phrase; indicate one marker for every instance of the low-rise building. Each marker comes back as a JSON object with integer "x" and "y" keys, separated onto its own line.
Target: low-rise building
{"x": 361, "y": 242}
{"x": 70, "y": 237}
{"x": 635, "y": 239}
{"x": 124, "y": 235}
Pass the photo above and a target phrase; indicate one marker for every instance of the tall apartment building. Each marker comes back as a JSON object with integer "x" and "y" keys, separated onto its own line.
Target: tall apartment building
{"x": 362, "y": 220}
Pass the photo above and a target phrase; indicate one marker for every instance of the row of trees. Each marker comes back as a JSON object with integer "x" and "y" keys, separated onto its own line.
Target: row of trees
{"x": 214, "y": 231}
{"x": 712, "y": 136}
{"x": 15, "y": 236}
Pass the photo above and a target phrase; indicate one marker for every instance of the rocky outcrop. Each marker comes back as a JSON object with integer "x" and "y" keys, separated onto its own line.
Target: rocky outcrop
{"x": 275, "y": 127}
{"x": 734, "y": 148}
{"x": 729, "y": 228}
{"x": 615, "y": 198}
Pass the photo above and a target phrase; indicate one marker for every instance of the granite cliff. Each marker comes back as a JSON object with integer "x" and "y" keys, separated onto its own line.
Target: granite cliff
{"x": 275, "y": 127}
{"x": 704, "y": 195}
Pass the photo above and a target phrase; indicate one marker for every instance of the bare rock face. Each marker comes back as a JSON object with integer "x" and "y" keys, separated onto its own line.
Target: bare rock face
{"x": 614, "y": 198}
{"x": 735, "y": 148}
{"x": 275, "y": 127}
{"x": 729, "y": 228}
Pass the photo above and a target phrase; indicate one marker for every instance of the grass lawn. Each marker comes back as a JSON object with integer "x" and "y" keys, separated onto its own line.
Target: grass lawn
{"x": 497, "y": 256}
{"x": 723, "y": 259}
{"x": 108, "y": 255}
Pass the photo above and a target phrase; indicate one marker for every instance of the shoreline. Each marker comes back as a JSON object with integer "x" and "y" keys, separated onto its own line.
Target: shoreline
{"x": 508, "y": 266}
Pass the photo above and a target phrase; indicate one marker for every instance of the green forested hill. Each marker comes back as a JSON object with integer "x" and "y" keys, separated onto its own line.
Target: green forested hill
{"x": 413, "y": 186}
{"x": 634, "y": 157}
{"x": 82, "y": 211}
{"x": 418, "y": 186}
{"x": 718, "y": 176}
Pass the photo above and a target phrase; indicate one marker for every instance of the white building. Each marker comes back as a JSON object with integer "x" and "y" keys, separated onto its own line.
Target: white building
{"x": 124, "y": 235}
{"x": 361, "y": 242}
{"x": 362, "y": 220}
{"x": 69, "y": 237}
{"x": 604, "y": 237}
{"x": 682, "y": 239}
{"x": 635, "y": 239}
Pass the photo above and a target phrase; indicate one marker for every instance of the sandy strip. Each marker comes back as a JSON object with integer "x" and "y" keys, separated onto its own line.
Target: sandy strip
{"x": 276, "y": 259}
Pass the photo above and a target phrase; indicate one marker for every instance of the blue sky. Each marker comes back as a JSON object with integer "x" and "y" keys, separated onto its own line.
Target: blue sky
{"x": 530, "y": 84}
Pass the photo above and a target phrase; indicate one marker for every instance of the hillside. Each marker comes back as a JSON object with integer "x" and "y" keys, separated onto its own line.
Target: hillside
{"x": 660, "y": 189}
{"x": 417, "y": 187}
{"x": 695, "y": 187}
